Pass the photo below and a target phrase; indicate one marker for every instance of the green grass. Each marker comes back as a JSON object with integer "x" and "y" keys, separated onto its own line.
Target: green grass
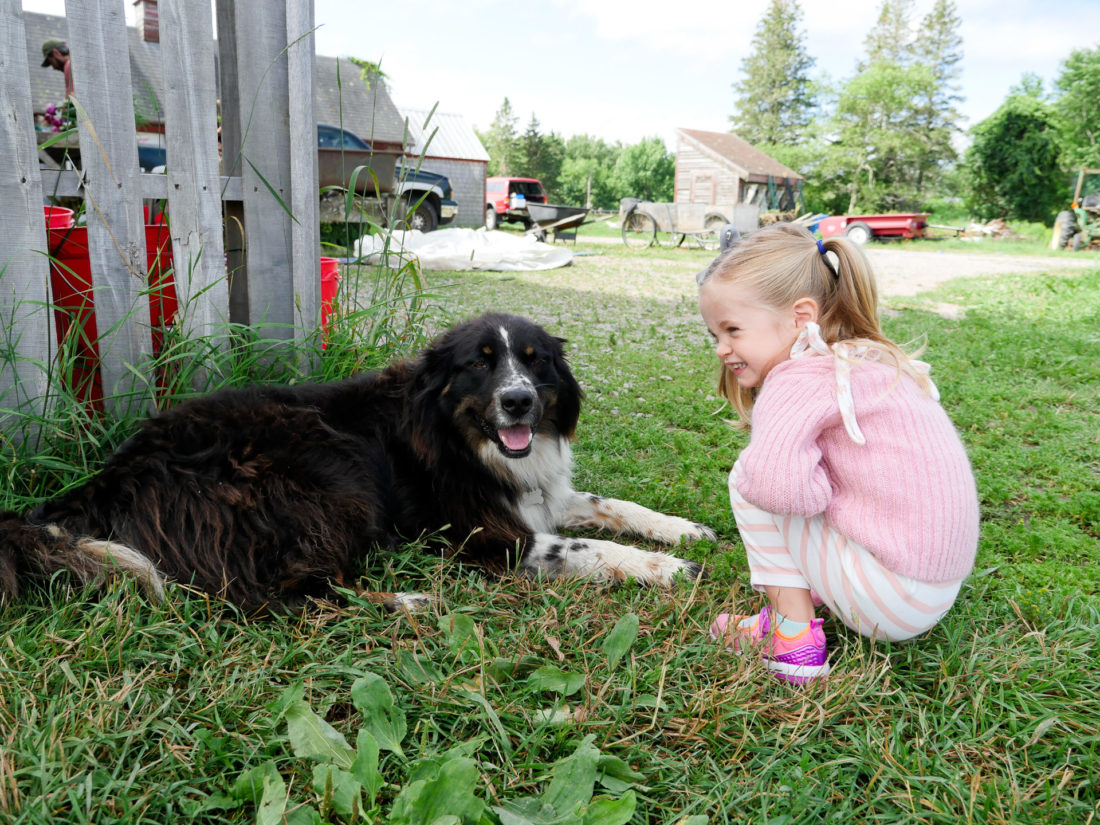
{"x": 116, "y": 710}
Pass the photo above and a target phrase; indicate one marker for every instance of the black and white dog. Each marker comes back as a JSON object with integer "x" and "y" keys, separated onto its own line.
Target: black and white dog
{"x": 268, "y": 496}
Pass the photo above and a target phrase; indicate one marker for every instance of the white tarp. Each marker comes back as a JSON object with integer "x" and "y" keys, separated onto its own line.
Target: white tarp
{"x": 457, "y": 249}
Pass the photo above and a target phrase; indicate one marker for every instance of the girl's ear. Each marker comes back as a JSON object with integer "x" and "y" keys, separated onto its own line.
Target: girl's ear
{"x": 805, "y": 310}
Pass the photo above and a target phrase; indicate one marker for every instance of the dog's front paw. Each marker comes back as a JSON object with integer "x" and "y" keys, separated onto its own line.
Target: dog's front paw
{"x": 701, "y": 531}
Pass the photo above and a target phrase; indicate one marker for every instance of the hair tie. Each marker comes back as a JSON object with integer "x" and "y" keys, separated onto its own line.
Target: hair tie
{"x": 825, "y": 258}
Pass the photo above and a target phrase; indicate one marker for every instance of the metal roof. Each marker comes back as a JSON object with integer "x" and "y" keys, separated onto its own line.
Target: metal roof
{"x": 447, "y": 135}
{"x": 742, "y": 154}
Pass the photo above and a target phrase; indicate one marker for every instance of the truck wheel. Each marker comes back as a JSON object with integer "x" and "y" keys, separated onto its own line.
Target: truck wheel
{"x": 492, "y": 221}
{"x": 421, "y": 217}
{"x": 1064, "y": 227}
{"x": 858, "y": 233}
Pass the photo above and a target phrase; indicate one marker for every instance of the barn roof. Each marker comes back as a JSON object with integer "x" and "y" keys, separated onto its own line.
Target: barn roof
{"x": 448, "y": 136}
{"x": 367, "y": 111}
{"x": 745, "y": 159}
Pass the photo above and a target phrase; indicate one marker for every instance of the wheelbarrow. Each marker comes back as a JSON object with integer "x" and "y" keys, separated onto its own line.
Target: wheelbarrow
{"x": 563, "y": 221}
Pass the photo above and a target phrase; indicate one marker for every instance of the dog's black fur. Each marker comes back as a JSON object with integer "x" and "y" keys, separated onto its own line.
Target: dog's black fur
{"x": 271, "y": 495}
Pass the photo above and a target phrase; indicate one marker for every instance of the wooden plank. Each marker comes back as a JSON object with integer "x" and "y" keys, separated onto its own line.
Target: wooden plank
{"x": 154, "y": 186}
{"x": 305, "y": 261}
{"x": 258, "y": 36}
{"x": 231, "y": 124}
{"x": 116, "y": 225}
{"x": 194, "y": 201}
{"x": 27, "y": 329}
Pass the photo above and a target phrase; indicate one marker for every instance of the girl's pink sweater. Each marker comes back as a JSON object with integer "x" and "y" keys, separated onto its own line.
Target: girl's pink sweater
{"x": 907, "y": 495}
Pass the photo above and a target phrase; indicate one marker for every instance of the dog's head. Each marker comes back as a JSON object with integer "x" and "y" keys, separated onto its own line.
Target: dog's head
{"x": 497, "y": 379}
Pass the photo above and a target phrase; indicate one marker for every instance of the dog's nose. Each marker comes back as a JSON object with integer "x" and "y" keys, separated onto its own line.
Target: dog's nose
{"x": 517, "y": 402}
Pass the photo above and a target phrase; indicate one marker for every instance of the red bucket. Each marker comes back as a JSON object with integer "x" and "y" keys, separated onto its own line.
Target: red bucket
{"x": 58, "y": 217}
{"x": 71, "y": 282}
{"x": 330, "y": 282}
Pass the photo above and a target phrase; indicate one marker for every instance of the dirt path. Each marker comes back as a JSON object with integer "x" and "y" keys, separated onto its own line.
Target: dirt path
{"x": 907, "y": 272}
{"x": 900, "y": 272}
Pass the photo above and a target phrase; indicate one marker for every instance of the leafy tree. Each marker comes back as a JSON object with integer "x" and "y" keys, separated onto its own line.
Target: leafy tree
{"x": 1078, "y": 108}
{"x": 540, "y": 156}
{"x": 587, "y": 173}
{"x": 1012, "y": 163}
{"x": 645, "y": 170}
{"x": 369, "y": 70}
{"x": 939, "y": 47}
{"x": 891, "y": 38}
{"x": 894, "y": 121}
{"x": 877, "y": 145}
{"x": 776, "y": 97}
{"x": 502, "y": 142}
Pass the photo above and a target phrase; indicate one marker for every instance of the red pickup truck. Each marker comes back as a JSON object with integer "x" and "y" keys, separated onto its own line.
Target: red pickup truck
{"x": 506, "y": 199}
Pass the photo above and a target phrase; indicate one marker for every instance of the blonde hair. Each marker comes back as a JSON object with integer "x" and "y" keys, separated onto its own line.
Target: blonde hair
{"x": 782, "y": 264}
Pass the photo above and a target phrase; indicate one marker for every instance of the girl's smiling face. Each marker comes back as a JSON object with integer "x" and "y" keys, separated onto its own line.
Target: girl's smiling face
{"x": 750, "y": 337}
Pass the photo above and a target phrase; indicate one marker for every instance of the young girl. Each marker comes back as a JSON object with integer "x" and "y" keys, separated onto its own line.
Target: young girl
{"x": 854, "y": 491}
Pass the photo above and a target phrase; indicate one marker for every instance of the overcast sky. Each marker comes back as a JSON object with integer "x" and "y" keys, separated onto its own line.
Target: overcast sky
{"x": 628, "y": 69}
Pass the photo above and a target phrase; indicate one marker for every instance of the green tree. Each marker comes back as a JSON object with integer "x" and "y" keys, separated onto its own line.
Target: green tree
{"x": 877, "y": 146}
{"x": 776, "y": 98}
{"x": 645, "y": 170}
{"x": 587, "y": 172}
{"x": 1078, "y": 108}
{"x": 502, "y": 142}
{"x": 890, "y": 40}
{"x": 540, "y": 156}
{"x": 939, "y": 47}
{"x": 1012, "y": 163}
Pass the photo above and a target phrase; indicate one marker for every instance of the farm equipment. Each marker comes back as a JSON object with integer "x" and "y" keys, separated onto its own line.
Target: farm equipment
{"x": 862, "y": 228}
{"x": 1077, "y": 227}
{"x": 563, "y": 221}
{"x": 645, "y": 223}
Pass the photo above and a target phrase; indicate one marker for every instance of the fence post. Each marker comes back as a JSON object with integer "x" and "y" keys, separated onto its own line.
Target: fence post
{"x": 24, "y": 272}
{"x": 112, "y": 196}
{"x": 195, "y": 215}
{"x": 253, "y": 35}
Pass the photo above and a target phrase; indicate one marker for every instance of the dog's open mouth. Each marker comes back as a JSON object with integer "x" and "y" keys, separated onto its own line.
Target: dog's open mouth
{"x": 514, "y": 441}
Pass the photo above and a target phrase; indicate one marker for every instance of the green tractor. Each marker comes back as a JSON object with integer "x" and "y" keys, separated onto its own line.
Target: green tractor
{"x": 1080, "y": 227}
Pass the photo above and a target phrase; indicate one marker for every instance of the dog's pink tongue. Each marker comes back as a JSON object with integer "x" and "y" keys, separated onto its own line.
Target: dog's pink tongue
{"x": 515, "y": 438}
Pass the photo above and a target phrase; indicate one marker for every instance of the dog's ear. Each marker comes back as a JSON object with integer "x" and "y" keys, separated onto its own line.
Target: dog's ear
{"x": 425, "y": 400}
{"x": 569, "y": 391}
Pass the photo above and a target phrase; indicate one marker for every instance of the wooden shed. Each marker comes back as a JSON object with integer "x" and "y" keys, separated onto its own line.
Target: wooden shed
{"x": 719, "y": 169}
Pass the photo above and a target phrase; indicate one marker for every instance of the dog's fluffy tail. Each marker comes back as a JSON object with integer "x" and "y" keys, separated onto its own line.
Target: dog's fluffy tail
{"x": 33, "y": 551}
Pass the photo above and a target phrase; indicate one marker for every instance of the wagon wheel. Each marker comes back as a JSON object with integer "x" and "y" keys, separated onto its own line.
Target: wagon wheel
{"x": 639, "y": 230}
{"x": 859, "y": 233}
{"x": 672, "y": 239}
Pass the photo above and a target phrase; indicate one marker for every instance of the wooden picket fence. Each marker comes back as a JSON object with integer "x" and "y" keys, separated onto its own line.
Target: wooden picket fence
{"x": 260, "y": 207}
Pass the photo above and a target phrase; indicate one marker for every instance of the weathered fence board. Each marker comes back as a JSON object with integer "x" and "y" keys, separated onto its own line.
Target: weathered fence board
{"x": 190, "y": 115}
{"x": 112, "y": 194}
{"x": 305, "y": 264}
{"x": 261, "y": 122}
{"x": 24, "y": 286}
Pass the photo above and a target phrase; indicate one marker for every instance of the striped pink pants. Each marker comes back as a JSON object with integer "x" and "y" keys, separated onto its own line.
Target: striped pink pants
{"x": 806, "y": 553}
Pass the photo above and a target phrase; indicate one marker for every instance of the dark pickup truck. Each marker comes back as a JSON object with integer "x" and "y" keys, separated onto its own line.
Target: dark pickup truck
{"x": 425, "y": 197}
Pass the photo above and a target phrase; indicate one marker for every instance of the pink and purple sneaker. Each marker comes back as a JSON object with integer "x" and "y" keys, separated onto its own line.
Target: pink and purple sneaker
{"x": 797, "y": 659}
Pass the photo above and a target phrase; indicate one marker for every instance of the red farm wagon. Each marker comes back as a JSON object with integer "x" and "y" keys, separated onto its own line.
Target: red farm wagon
{"x": 861, "y": 228}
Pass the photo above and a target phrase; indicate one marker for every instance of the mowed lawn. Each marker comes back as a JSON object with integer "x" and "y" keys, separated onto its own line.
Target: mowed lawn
{"x": 570, "y": 702}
